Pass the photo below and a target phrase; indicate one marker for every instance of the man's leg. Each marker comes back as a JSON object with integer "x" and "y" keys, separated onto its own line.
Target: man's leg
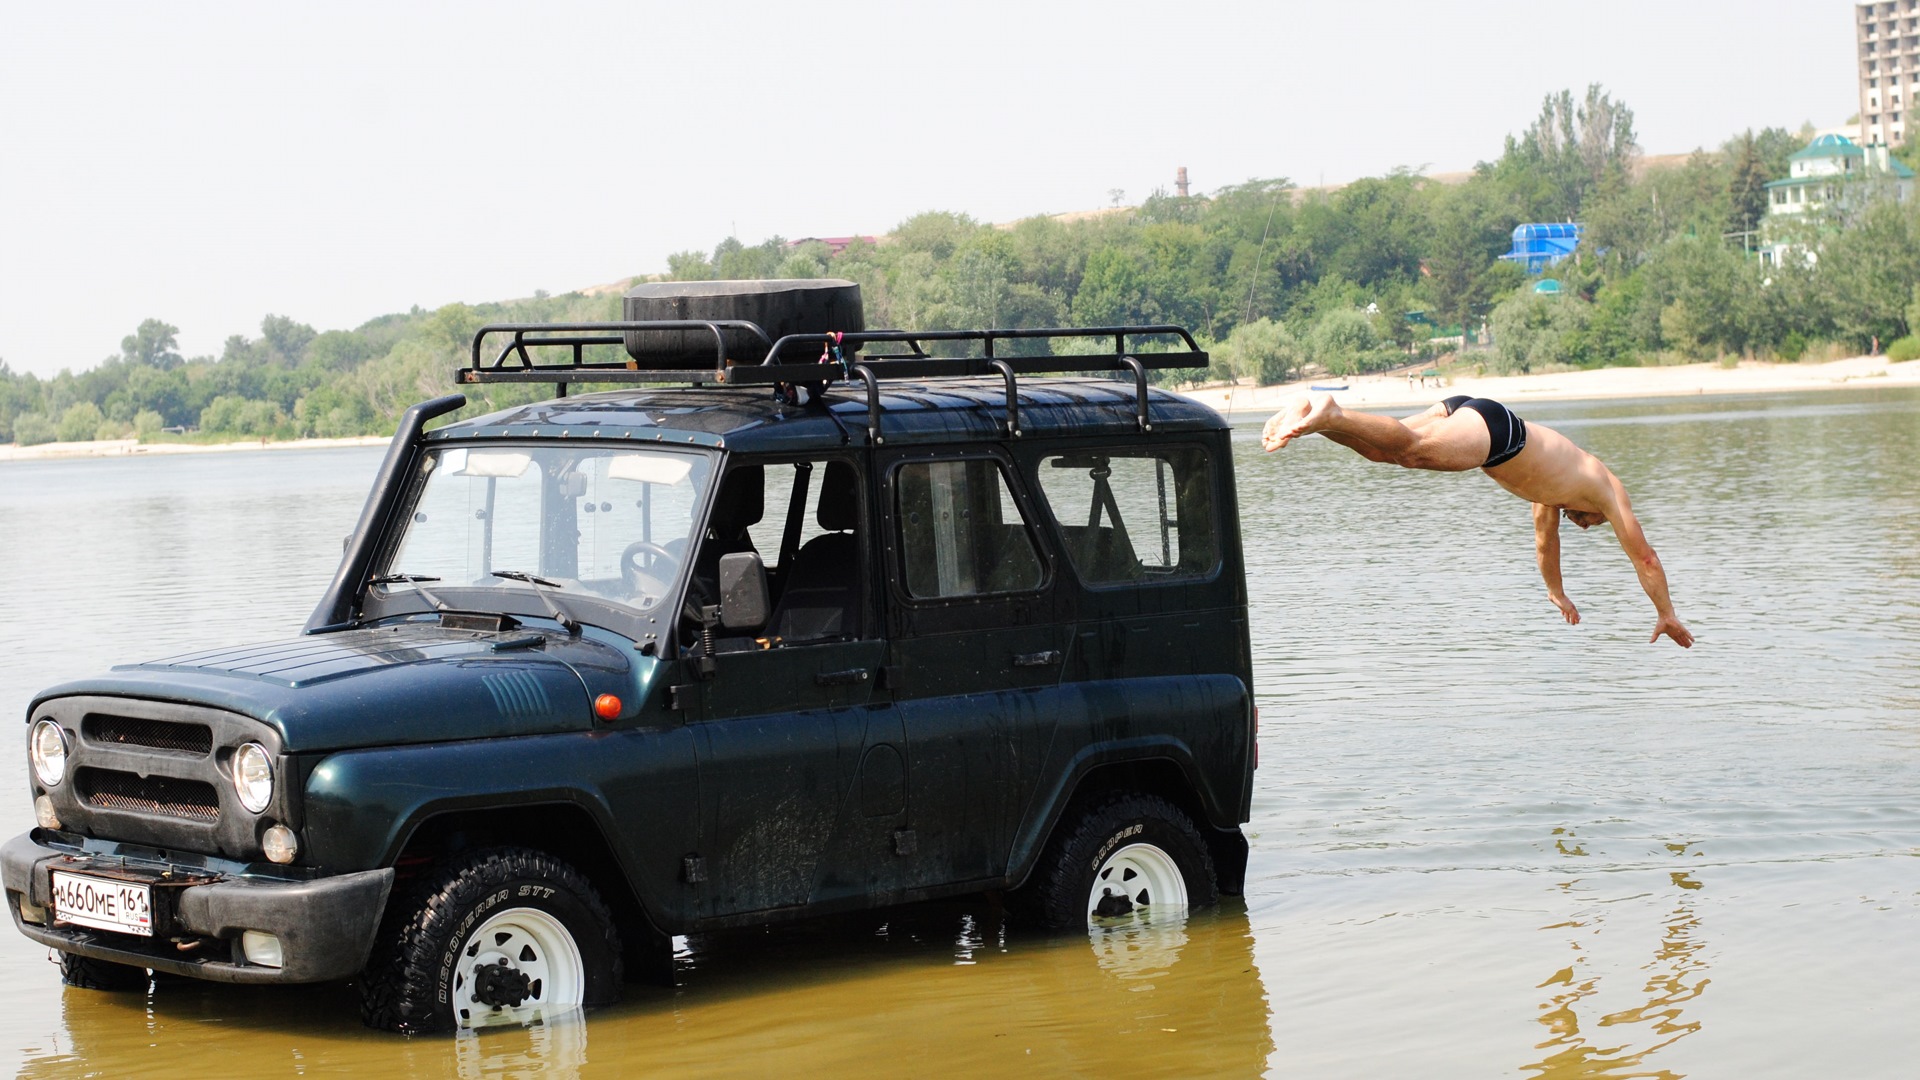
{"x": 1440, "y": 443}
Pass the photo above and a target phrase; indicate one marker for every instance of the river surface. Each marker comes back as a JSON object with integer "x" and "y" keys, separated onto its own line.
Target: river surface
{"x": 1485, "y": 843}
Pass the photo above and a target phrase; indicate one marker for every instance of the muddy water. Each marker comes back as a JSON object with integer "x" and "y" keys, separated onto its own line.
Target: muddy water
{"x": 1485, "y": 843}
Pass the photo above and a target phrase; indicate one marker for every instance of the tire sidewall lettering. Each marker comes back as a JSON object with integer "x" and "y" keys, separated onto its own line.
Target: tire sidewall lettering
{"x": 1114, "y": 841}
{"x": 478, "y": 913}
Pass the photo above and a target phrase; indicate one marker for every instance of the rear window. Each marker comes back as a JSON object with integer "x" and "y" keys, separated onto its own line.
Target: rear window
{"x": 961, "y": 531}
{"x": 1130, "y": 516}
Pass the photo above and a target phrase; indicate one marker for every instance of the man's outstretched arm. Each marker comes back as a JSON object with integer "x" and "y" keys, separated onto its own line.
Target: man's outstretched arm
{"x": 1546, "y": 551}
{"x": 1653, "y": 577}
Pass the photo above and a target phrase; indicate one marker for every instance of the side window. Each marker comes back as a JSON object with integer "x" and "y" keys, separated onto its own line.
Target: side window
{"x": 1128, "y": 516}
{"x": 961, "y": 533}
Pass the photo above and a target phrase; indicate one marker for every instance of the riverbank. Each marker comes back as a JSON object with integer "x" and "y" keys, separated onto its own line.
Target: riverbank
{"x": 1747, "y": 377}
{"x": 1360, "y": 391}
{"x": 136, "y": 448}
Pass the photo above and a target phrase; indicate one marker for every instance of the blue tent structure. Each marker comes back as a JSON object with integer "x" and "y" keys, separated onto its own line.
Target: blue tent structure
{"x": 1539, "y": 246}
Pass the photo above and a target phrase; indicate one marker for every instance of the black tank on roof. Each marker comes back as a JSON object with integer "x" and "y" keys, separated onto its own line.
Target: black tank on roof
{"x": 797, "y": 306}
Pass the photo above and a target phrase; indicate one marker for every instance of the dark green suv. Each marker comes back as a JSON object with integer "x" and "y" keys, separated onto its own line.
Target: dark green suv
{"x": 786, "y": 624}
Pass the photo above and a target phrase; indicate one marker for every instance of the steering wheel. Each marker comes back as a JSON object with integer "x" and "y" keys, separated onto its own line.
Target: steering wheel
{"x": 647, "y": 567}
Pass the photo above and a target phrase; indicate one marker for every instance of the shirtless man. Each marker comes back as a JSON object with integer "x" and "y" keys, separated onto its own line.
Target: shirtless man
{"x": 1532, "y": 461}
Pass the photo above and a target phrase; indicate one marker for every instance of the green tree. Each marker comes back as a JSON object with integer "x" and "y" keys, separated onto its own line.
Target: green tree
{"x": 32, "y": 429}
{"x": 1263, "y": 350}
{"x": 154, "y": 344}
{"x": 1747, "y": 191}
{"x": 1532, "y": 331}
{"x": 1343, "y": 342}
{"x": 80, "y": 422}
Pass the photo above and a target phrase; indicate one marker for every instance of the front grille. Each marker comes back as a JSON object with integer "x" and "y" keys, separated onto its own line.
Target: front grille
{"x": 109, "y": 789}
{"x": 156, "y": 734}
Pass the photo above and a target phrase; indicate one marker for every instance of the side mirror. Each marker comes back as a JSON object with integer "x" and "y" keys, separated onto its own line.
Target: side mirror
{"x": 743, "y": 591}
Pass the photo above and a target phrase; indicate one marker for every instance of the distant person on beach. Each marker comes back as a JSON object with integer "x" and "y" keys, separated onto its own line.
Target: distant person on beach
{"x": 1532, "y": 461}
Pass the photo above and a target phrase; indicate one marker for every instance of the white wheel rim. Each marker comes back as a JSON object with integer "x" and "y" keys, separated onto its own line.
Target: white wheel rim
{"x": 532, "y": 944}
{"x": 1145, "y": 875}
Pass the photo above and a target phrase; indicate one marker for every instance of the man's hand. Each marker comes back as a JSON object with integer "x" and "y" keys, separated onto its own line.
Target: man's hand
{"x": 1670, "y": 626}
{"x": 1566, "y": 607}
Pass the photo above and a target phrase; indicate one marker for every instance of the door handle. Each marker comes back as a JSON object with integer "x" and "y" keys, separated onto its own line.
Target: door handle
{"x": 849, "y": 677}
{"x": 1037, "y": 659}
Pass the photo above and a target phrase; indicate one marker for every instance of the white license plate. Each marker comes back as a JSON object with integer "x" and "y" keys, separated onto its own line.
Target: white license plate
{"x": 103, "y": 903}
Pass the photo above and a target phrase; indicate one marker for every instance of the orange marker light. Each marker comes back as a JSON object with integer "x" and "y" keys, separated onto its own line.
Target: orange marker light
{"x": 606, "y": 707}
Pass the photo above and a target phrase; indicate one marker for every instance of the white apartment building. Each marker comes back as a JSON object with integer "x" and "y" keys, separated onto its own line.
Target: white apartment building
{"x": 1889, "y": 52}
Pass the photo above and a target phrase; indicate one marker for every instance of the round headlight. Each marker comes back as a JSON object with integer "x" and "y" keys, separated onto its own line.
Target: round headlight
{"x": 47, "y": 746}
{"x": 253, "y": 777}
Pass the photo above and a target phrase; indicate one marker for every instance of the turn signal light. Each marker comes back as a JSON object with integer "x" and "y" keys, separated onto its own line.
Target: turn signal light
{"x": 606, "y": 707}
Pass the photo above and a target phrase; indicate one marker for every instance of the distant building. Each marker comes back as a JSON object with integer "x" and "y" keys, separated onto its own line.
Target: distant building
{"x": 1833, "y": 167}
{"x": 1831, "y": 170}
{"x": 1539, "y": 246}
{"x": 835, "y": 244}
{"x": 1888, "y": 34}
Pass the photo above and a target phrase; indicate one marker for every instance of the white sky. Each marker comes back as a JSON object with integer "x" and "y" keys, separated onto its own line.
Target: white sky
{"x": 210, "y": 163}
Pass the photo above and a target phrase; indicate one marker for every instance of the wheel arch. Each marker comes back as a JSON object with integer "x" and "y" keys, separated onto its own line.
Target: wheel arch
{"x": 564, "y": 830}
{"x": 1162, "y": 771}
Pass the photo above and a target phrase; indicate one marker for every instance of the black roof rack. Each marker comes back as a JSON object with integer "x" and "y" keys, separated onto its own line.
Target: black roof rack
{"x": 792, "y": 360}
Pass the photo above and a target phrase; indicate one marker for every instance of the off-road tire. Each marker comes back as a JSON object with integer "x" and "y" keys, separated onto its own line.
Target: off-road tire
{"x": 407, "y": 986}
{"x": 88, "y": 973}
{"x": 1057, "y": 893}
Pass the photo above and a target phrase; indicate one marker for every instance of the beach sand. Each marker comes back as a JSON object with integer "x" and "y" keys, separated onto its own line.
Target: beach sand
{"x": 1747, "y": 377}
{"x": 1362, "y": 391}
{"x": 136, "y": 448}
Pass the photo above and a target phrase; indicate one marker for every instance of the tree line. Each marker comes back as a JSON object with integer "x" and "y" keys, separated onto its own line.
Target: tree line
{"x": 1274, "y": 280}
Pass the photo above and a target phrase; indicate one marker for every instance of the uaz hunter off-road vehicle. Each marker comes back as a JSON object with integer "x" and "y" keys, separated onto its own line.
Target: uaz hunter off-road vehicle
{"x": 813, "y": 629}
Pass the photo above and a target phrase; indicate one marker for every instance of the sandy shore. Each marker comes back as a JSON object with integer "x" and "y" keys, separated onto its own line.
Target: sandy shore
{"x": 136, "y": 448}
{"x": 1364, "y": 391}
{"x": 1749, "y": 377}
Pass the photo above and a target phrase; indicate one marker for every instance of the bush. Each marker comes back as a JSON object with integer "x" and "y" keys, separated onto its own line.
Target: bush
{"x": 1265, "y": 350}
{"x": 1344, "y": 342}
{"x": 1532, "y": 331}
{"x": 80, "y": 423}
{"x": 148, "y": 423}
{"x": 1792, "y": 347}
{"x": 32, "y": 429}
{"x": 1905, "y": 349}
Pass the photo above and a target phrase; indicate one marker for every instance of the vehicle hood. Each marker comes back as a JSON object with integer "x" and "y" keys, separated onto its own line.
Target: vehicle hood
{"x": 411, "y": 683}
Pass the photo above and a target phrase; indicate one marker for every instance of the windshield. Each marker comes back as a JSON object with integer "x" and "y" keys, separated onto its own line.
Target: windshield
{"x": 610, "y": 523}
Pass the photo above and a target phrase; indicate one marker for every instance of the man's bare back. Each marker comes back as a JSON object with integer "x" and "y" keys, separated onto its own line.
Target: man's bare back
{"x": 1532, "y": 461}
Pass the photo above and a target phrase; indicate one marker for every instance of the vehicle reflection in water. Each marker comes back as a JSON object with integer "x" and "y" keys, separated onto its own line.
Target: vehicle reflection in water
{"x": 945, "y": 987}
{"x": 1675, "y": 976}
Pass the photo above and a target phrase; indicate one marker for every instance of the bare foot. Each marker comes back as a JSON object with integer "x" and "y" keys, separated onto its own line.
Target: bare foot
{"x": 1303, "y": 414}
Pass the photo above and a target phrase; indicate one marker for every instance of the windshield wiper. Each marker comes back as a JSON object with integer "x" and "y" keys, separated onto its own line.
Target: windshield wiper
{"x": 567, "y": 622}
{"x": 415, "y": 581}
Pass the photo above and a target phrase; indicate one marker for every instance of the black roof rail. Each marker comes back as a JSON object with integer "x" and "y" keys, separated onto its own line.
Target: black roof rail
{"x": 834, "y": 361}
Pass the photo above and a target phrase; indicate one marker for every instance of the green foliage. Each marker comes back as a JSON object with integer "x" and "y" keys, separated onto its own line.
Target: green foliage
{"x": 1532, "y": 332}
{"x": 152, "y": 345}
{"x": 1904, "y": 349}
{"x": 1275, "y": 279}
{"x": 32, "y": 429}
{"x": 80, "y": 422}
{"x": 1344, "y": 342}
{"x": 1263, "y": 350}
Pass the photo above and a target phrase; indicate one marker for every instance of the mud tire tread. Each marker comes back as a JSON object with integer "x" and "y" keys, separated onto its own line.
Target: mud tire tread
{"x": 397, "y": 989}
{"x": 1056, "y": 896}
{"x": 88, "y": 973}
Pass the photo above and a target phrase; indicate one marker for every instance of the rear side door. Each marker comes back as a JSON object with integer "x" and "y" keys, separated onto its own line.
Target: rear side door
{"x": 975, "y": 651}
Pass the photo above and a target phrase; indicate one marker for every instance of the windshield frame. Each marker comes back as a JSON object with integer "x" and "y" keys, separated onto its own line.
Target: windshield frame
{"x": 523, "y": 601}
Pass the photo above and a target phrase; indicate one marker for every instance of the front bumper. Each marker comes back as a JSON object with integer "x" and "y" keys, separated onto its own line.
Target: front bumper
{"x": 325, "y": 924}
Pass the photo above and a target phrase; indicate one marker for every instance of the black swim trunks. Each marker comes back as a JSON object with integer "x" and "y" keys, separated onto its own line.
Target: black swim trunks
{"x": 1507, "y": 431}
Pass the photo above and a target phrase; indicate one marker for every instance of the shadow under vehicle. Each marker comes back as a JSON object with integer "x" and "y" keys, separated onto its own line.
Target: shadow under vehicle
{"x": 751, "y": 637}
